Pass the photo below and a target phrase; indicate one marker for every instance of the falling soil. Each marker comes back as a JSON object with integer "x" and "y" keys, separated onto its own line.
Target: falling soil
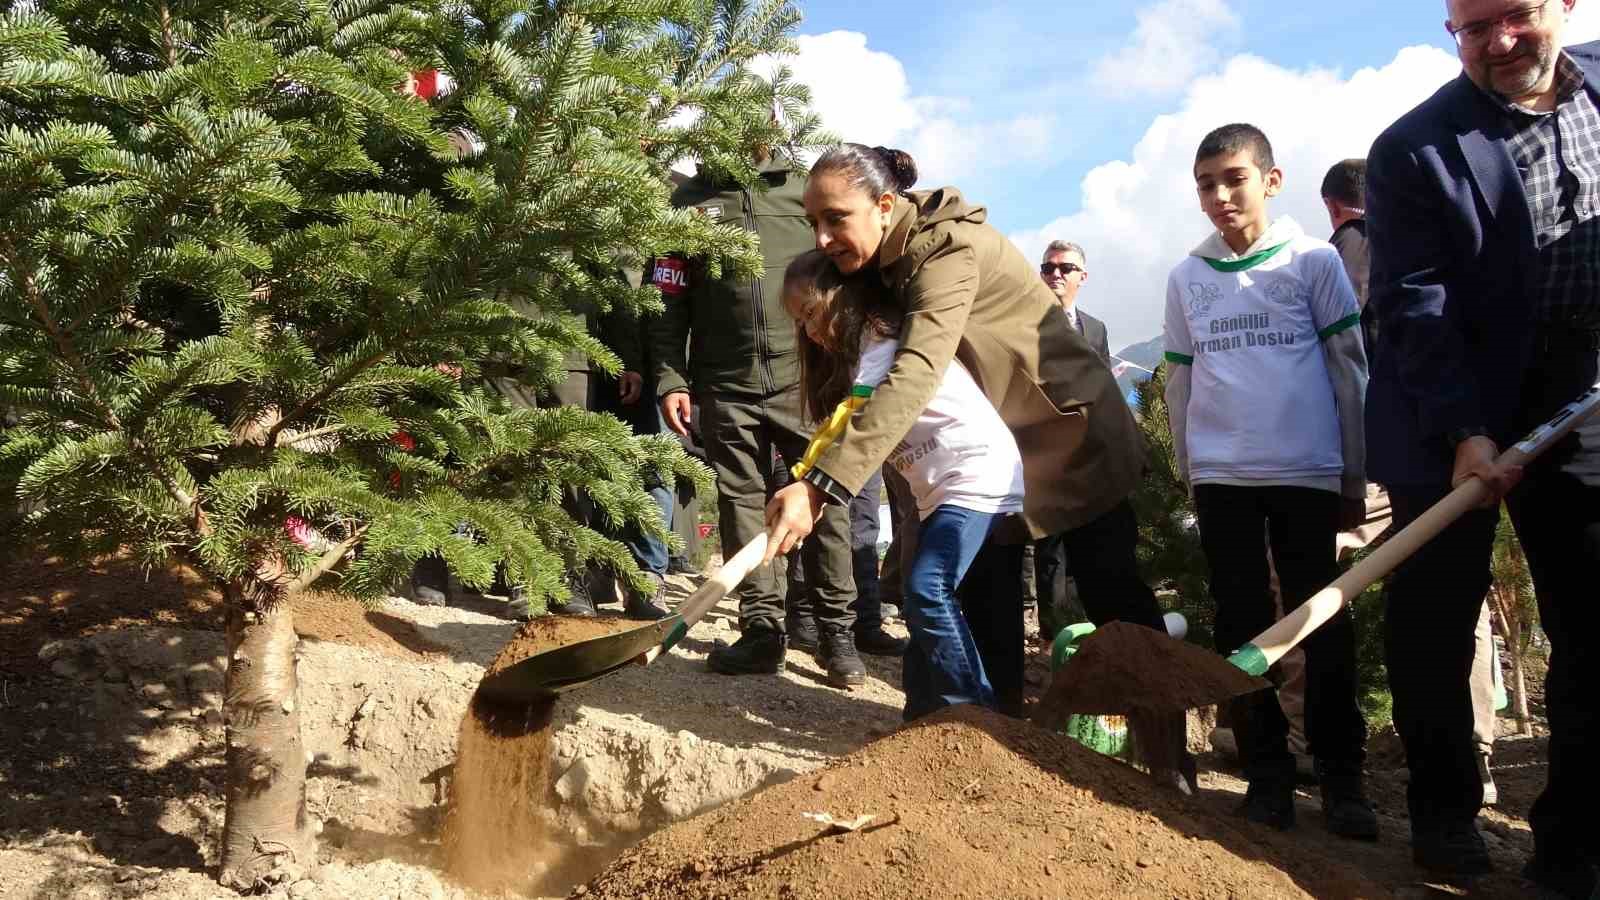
{"x": 1123, "y": 668}
{"x": 970, "y": 804}
{"x": 496, "y": 834}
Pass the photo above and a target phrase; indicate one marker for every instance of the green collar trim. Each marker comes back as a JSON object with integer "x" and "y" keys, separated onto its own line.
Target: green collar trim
{"x": 1179, "y": 359}
{"x": 861, "y": 390}
{"x": 1247, "y": 262}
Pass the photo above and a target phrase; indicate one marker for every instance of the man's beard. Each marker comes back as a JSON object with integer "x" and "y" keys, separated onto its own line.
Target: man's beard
{"x": 1540, "y": 52}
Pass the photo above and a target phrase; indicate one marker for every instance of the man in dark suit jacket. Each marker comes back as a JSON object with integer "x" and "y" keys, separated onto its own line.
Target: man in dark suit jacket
{"x": 1064, "y": 270}
{"x": 1483, "y": 210}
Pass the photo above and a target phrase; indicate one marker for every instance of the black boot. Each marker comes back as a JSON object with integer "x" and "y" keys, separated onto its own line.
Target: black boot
{"x": 580, "y": 604}
{"x": 759, "y": 651}
{"x": 648, "y": 607}
{"x": 875, "y": 641}
{"x": 1567, "y": 879}
{"x": 1348, "y": 812}
{"x": 1453, "y": 849}
{"x": 1269, "y": 800}
{"x": 430, "y": 582}
{"x": 802, "y": 631}
{"x": 836, "y": 652}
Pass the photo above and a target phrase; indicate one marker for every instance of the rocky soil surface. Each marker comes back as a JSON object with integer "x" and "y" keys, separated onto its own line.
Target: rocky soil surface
{"x": 109, "y": 701}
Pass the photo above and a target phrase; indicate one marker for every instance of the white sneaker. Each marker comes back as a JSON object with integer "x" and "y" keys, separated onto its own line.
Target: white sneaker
{"x": 1491, "y": 794}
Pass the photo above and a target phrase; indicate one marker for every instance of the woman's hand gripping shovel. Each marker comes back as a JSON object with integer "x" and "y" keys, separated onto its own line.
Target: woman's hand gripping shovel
{"x": 569, "y": 666}
{"x": 1124, "y": 669}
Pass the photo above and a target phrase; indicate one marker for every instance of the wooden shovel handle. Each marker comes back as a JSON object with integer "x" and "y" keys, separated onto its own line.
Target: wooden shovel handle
{"x": 1270, "y": 646}
{"x": 733, "y": 571}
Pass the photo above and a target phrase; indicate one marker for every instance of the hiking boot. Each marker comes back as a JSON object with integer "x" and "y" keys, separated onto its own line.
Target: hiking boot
{"x": 1491, "y": 794}
{"x": 1270, "y": 802}
{"x": 759, "y": 651}
{"x": 1346, "y": 808}
{"x": 836, "y": 652}
{"x": 1455, "y": 849}
{"x": 679, "y": 565}
{"x": 650, "y": 607}
{"x": 802, "y": 631}
{"x": 580, "y": 604}
{"x": 517, "y": 602}
{"x": 1568, "y": 880}
{"x": 877, "y": 642}
{"x": 428, "y": 596}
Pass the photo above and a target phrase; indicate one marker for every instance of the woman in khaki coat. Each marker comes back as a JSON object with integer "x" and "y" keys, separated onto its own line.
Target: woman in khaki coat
{"x": 967, "y": 293}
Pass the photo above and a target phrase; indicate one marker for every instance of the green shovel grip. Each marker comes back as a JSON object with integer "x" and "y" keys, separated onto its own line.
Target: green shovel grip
{"x": 1250, "y": 659}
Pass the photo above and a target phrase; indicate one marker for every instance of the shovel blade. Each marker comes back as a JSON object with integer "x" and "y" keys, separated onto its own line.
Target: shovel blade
{"x": 1123, "y": 669}
{"x": 560, "y": 669}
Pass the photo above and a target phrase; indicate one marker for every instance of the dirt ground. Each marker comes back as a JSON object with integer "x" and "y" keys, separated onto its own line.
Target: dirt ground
{"x": 109, "y": 702}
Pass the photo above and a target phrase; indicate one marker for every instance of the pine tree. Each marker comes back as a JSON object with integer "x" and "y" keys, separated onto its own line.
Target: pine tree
{"x": 1513, "y": 602}
{"x": 1169, "y": 540}
{"x": 253, "y": 272}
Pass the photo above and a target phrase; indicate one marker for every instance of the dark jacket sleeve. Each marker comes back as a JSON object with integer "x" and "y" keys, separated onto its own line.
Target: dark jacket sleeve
{"x": 1411, "y": 257}
{"x": 1101, "y": 346}
{"x": 669, "y": 341}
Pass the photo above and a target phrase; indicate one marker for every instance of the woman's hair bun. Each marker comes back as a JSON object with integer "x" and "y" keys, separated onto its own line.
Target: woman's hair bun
{"x": 901, "y": 166}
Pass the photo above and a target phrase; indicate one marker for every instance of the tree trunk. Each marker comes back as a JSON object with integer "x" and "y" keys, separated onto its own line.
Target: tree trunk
{"x": 1524, "y": 719}
{"x": 267, "y": 837}
{"x": 1511, "y": 630}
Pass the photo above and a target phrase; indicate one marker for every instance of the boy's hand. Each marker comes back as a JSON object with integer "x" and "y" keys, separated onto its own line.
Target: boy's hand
{"x": 1352, "y": 512}
{"x": 1475, "y": 458}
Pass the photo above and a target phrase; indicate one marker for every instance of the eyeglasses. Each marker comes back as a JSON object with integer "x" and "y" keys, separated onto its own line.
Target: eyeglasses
{"x": 1063, "y": 268}
{"x": 1516, "y": 23}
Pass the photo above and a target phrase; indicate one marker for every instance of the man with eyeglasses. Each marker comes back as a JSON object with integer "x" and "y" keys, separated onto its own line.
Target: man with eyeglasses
{"x": 1064, "y": 271}
{"x": 1483, "y": 212}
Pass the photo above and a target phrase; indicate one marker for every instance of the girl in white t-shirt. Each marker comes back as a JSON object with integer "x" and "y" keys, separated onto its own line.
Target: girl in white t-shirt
{"x": 959, "y": 459}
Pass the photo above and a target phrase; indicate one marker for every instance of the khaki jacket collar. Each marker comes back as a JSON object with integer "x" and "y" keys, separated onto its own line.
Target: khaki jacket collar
{"x": 902, "y": 222}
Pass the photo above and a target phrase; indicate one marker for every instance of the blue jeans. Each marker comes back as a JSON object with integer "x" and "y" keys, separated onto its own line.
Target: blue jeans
{"x": 942, "y": 666}
{"x": 651, "y": 552}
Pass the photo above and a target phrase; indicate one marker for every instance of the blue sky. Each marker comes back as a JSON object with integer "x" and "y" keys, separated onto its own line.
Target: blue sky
{"x": 1079, "y": 121}
{"x": 1037, "y": 57}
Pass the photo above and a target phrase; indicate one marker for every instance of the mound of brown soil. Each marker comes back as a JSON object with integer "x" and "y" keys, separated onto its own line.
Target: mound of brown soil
{"x": 968, "y": 804}
{"x": 1123, "y": 668}
{"x": 547, "y": 632}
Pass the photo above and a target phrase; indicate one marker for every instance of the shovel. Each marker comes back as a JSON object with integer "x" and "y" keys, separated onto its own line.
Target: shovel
{"x": 1079, "y": 687}
{"x": 560, "y": 669}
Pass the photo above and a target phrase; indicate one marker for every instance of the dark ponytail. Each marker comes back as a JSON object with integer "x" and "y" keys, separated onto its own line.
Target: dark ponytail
{"x": 875, "y": 170}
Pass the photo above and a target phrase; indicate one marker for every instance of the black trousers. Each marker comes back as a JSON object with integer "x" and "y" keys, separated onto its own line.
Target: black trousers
{"x": 1432, "y": 608}
{"x": 1301, "y": 524}
{"x": 1102, "y": 556}
{"x": 868, "y": 604}
{"x": 1103, "y": 560}
{"x": 991, "y": 601}
{"x": 741, "y": 433}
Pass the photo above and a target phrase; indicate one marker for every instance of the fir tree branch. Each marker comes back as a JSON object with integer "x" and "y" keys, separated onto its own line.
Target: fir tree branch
{"x": 320, "y": 397}
{"x": 80, "y": 372}
{"x": 303, "y": 436}
{"x": 326, "y": 562}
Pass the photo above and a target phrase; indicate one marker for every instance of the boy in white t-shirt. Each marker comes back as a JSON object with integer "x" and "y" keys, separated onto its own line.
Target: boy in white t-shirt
{"x": 1265, "y": 387}
{"x": 959, "y": 459}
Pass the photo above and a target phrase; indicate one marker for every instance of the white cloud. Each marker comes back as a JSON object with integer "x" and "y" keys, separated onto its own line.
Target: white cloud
{"x": 863, "y": 95}
{"x": 1584, "y": 23}
{"x": 1140, "y": 216}
{"x": 1174, "y": 41}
